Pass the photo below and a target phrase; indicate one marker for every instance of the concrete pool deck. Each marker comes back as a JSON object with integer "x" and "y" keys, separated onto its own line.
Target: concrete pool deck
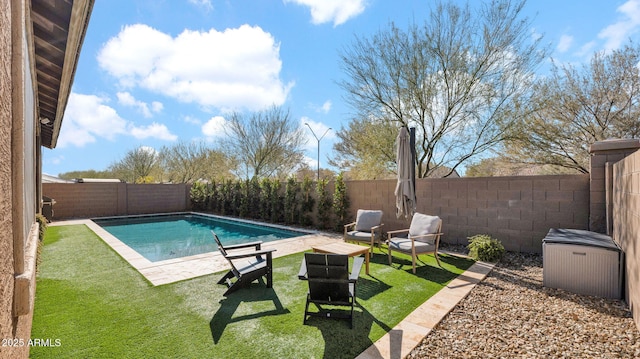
{"x": 397, "y": 343}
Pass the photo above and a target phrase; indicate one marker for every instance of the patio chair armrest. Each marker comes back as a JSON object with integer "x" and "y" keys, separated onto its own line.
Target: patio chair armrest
{"x": 255, "y": 244}
{"x": 390, "y": 233}
{"x": 355, "y": 270}
{"x": 349, "y": 225}
{"x": 302, "y": 274}
{"x": 267, "y": 252}
{"x": 375, "y": 228}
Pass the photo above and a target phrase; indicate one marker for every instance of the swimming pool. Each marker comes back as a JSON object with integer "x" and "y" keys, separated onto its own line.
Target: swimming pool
{"x": 163, "y": 237}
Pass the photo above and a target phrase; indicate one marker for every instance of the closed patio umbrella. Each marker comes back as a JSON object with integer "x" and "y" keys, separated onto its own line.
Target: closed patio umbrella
{"x": 405, "y": 189}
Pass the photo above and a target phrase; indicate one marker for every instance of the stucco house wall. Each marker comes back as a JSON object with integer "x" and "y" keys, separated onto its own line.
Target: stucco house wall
{"x": 21, "y": 106}
{"x": 6, "y": 233}
{"x": 18, "y": 165}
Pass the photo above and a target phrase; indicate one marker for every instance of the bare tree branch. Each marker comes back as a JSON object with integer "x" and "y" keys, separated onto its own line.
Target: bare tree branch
{"x": 458, "y": 79}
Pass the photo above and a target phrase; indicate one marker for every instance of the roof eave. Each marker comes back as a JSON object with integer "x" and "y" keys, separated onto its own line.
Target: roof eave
{"x": 77, "y": 28}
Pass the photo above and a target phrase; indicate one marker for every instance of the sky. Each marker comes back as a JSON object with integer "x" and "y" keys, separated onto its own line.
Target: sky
{"x": 156, "y": 72}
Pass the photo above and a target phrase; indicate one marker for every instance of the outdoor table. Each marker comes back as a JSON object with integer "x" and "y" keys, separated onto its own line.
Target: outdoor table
{"x": 349, "y": 249}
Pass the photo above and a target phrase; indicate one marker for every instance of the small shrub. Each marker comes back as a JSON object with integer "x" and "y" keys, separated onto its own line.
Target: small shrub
{"x": 291, "y": 201}
{"x": 245, "y": 198}
{"x": 340, "y": 202}
{"x": 277, "y": 202}
{"x": 483, "y": 247}
{"x": 198, "y": 195}
{"x": 265, "y": 199}
{"x": 308, "y": 202}
{"x": 324, "y": 204}
{"x": 43, "y": 222}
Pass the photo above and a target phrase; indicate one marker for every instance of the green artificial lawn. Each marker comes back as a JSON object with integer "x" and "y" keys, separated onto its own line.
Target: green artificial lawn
{"x": 98, "y": 306}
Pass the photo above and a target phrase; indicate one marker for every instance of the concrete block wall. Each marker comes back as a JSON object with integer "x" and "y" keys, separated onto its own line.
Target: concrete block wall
{"x": 626, "y": 225}
{"x": 603, "y": 153}
{"x": 86, "y": 200}
{"x": 148, "y": 198}
{"x": 519, "y": 211}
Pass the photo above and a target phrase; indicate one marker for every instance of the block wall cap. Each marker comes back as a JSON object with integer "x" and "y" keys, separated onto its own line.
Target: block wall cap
{"x": 614, "y": 144}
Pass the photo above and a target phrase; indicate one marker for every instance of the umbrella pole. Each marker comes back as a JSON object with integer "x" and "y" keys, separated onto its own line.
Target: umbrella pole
{"x": 412, "y": 144}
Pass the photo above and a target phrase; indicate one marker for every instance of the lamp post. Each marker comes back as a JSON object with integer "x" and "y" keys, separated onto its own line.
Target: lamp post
{"x": 318, "y": 139}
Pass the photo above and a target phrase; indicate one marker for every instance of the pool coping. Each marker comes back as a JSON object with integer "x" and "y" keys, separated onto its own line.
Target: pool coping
{"x": 397, "y": 343}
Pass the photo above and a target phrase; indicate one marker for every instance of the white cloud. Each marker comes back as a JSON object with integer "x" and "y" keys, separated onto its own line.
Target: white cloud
{"x": 56, "y": 160}
{"x": 87, "y": 117}
{"x": 326, "y": 107}
{"x": 204, "y": 4}
{"x": 565, "y": 43}
{"x": 232, "y": 69}
{"x": 535, "y": 35}
{"x": 320, "y": 130}
{"x": 587, "y": 49}
{"x": 149, "y": 149}
{"x": 191, "y": 120}
{"x": 628, "y": 24}
{"x": 154, "y": 130}
{"x": 125, "y": 98}
{"x": 214, "y": 127}
{"x": 157, "y": 106}
{"x": 338, "y": 11}
{"x": 312, "y": 162}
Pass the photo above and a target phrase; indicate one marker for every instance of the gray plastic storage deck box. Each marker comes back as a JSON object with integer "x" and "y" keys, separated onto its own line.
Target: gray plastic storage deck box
{"x": 582, "y": 262}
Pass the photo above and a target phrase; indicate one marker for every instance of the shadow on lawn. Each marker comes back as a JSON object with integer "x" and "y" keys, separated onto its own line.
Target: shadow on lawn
{"x": 342, "y": 341}
{"x": 370, "y": 286}
{"x": 230, "y": 304}
{"x": 429, "y": 271}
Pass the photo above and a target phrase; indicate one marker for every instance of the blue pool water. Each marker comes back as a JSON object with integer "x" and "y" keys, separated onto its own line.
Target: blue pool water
{"x": 164, "y": 237}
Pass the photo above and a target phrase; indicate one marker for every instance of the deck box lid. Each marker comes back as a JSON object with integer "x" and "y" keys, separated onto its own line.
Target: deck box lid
{"x": 580, "y": 237}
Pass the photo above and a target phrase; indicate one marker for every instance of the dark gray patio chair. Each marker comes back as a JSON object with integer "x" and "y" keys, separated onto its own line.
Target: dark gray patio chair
{"x": 330, "y": 284}
{"x": 246, "y": 266}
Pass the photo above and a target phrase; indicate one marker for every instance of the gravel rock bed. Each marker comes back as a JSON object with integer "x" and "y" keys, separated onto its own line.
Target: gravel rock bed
{"x": 511, "y": 315}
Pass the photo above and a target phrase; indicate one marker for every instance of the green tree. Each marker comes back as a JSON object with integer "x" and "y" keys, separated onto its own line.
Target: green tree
{"x": 137, "y": 166}
{"x": 292, "y": 201}
{"x": 186, "y": 162}
{"x": 366, "y": 147}
{"x": 308, "y": 202}
{"x": 265, "y": 199}
{"x": 254, "y": 198}
{"x": 199, "y": 195}
{"x": 324, "y": 204}
{"x": 226, "y": 195}
{"x": 503, "y": 166}
{"x": 245, "y": 188}
{"x": 266, "y": 143}
{"x": 277, "y": 202}
{"x": 86, "y": 174}
{"x": 340, "y": 202}
{"x": 214, "y": 197}
{"x": 459, "y": 79}
{"x": 575, "y": 107}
